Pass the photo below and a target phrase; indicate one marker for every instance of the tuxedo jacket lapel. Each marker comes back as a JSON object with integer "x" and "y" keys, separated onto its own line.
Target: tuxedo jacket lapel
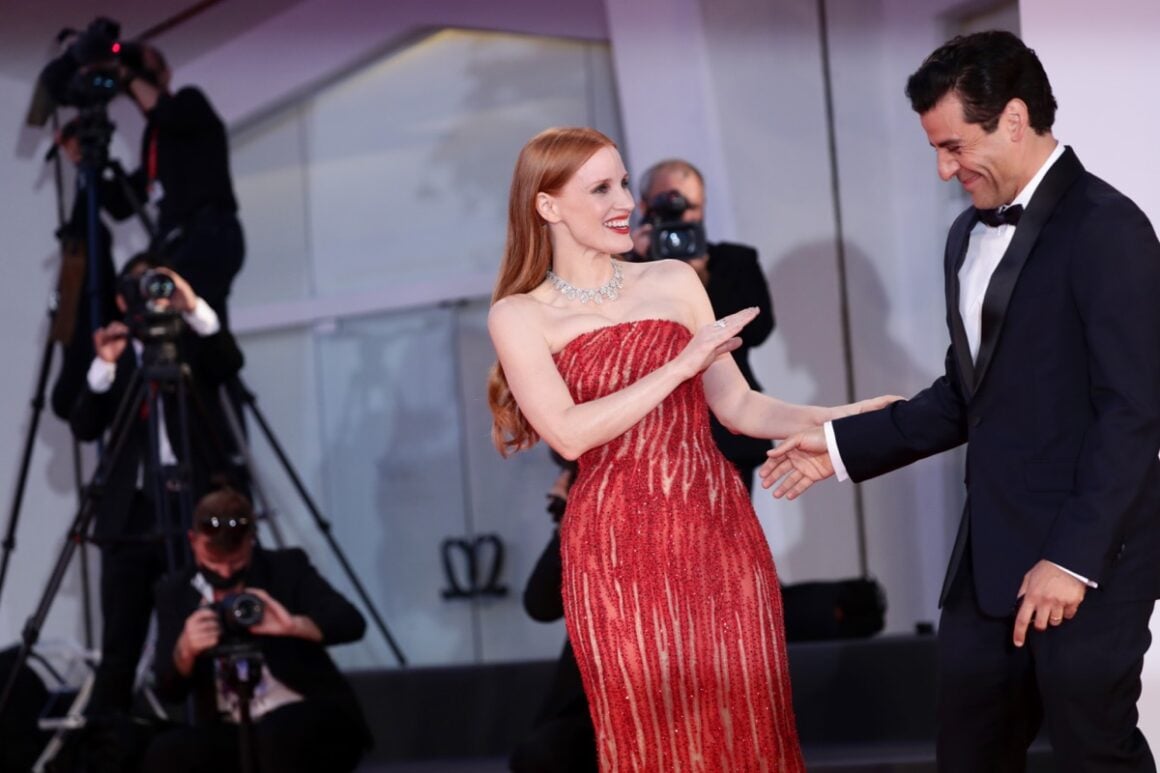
{"x": 1055, "y": 183}
{"x": 956, "y": 251}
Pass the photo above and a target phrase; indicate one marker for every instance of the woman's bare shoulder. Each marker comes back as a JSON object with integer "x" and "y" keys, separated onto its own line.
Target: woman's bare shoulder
{"x": 667, "y": 270}
{"x": 520, "y": 309}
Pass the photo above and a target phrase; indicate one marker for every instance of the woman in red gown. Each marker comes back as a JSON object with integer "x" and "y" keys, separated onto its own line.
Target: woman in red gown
{"x": 671, "y": 598}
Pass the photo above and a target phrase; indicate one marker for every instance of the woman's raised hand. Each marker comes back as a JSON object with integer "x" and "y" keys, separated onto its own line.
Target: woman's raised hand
{"x": 715, "y": 339}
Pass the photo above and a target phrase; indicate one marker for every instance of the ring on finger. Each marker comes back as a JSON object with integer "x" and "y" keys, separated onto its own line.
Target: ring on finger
{"x": 720, "y": 323}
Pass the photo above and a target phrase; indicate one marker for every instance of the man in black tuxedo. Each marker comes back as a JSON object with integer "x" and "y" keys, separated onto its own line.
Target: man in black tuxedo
{"x": 306, "y": 718}
{"x": 733, "y": 281}
{"x": 127, "y": 527}
{"x": 1053, "y": 380}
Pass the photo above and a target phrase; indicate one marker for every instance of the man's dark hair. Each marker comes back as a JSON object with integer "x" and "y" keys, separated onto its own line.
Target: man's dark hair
{"x": 985, "y": 70}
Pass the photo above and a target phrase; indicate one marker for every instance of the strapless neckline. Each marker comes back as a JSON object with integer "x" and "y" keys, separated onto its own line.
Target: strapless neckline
{"x": 614, "y": 325}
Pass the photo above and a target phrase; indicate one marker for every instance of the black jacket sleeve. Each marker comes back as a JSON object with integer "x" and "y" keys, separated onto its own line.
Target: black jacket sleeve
{"x": 310, "y": 595}
{"x": 93, "y": 412}
{"x": 881, "y": 441}
{"x": 172, "y": 613}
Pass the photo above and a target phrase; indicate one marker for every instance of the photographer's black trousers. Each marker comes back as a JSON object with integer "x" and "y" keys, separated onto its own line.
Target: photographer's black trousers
{"x": 209, "y": 254}
{"x": 303, "y": 737}
{"x": 130, "y": 566}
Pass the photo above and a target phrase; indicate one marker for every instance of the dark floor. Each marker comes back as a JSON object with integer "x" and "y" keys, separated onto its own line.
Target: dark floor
{"x": 862, "y": 706}
{"x": 437, "y": 766}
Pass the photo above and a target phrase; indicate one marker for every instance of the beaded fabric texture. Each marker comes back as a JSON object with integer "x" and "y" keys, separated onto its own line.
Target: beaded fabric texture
{"x": 671, "y": 597}
{"x": 610, "y": 290}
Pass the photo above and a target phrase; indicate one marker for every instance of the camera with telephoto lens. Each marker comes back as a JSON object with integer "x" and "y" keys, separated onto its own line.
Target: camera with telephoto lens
{"x": 88, "y": 73}
{"x": 149, "y": 319}
{"x": 671, "y": 236}
{"x": 238, "y": 613}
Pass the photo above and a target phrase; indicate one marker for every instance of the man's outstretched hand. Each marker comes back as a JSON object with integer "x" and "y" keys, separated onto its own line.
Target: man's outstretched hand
{"x": 797, "y": 463}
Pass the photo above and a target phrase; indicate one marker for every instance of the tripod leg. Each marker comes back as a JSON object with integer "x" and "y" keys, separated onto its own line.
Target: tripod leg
{"x": 323, "y": 525}
{"x": 122, "y": 428}
{"x": 256, "y": 487}
{"x": 86, "y": 582}
{"x": 25, "y": 460}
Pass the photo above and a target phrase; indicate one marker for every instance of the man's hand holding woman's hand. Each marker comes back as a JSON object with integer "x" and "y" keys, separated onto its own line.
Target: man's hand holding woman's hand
{"x": 802, "y": 460}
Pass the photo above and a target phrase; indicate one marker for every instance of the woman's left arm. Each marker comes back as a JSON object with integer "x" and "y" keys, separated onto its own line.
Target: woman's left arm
{"x": 745, "y": 411}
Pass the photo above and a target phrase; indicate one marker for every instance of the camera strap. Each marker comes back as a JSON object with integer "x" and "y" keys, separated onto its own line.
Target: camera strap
{"x": 202, "y": 586}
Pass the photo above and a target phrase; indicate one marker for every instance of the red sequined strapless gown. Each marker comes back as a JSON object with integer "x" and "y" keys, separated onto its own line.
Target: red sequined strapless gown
{"x": 670, "y": 594}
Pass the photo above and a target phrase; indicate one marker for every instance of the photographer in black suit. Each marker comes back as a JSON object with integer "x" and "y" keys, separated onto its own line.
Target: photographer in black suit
{"x": 127, "y": 527}
{"x": 674, "y": 191}
{"x": 184, "y": 172}
{"x": 305, "y": 716}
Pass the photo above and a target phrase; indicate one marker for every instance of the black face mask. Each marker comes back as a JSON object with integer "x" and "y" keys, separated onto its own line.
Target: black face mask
{"x": 218, "y": 582}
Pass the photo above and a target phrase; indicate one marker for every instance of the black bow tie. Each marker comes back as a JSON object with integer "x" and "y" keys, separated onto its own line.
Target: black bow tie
{"x": 998, "y": 217}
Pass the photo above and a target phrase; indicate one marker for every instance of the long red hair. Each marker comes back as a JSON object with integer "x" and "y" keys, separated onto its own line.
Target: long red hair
{"x": 545, "y": 164}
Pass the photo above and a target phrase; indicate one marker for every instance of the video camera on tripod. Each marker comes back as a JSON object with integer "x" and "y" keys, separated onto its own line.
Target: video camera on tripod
{"x": 90, "y": 71}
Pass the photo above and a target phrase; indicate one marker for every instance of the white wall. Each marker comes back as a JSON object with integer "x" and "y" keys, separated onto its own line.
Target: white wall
{"x": 1104, "y": 68}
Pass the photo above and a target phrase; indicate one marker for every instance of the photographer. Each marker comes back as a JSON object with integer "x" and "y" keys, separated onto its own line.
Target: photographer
{"x": 184, "y": 167}
{"x": 305, "y": 715}
{"x": 127, "y": 527}
{"x": 672, "y": 204}
{"x": 185, "y": 170}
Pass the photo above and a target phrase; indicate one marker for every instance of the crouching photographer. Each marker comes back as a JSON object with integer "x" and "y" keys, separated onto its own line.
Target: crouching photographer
{"x": 246, "y": 630}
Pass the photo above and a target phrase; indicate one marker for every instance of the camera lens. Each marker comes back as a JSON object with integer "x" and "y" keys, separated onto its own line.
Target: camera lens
{"x": 243, "y": 610}
{"x": 156, "y": 286}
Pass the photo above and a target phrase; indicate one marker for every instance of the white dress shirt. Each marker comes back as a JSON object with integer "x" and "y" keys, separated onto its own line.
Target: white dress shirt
{"x": 203, "y": 321}
{"x": 985, "y": 250}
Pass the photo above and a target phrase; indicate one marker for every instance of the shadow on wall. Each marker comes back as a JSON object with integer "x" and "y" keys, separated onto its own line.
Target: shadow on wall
{"x": 906, "y": 547}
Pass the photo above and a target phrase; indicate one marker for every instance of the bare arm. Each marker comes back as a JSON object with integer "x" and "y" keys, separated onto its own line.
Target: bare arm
{"x": 544, "y": 399}
{"x": 747, "y": 412}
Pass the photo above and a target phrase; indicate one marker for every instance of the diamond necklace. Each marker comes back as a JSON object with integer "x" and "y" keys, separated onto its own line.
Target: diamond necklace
{"x": 610, "y": 290}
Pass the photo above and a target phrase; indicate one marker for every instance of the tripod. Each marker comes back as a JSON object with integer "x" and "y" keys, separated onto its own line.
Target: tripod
{"x": 241, "y": 665}
{"x": 82, "y": 261}
{"x": 160, "y": 371}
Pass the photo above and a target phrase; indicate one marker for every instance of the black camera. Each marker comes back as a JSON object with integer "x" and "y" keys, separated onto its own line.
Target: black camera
{"x": 155, "y": 324}
{"x": 142, "y": 292}
{"x": 238, "y": 613}
{"x": 87, "y": 73}
{"x": 671, "y": 236}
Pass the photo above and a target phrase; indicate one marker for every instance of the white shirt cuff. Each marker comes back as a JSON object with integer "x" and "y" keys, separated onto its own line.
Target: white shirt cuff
{"x": 835, "y": 456}
{"x": 203, "y": 320}
{"x": 1079, "y": 577}
{"x": 101, "y": 375}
